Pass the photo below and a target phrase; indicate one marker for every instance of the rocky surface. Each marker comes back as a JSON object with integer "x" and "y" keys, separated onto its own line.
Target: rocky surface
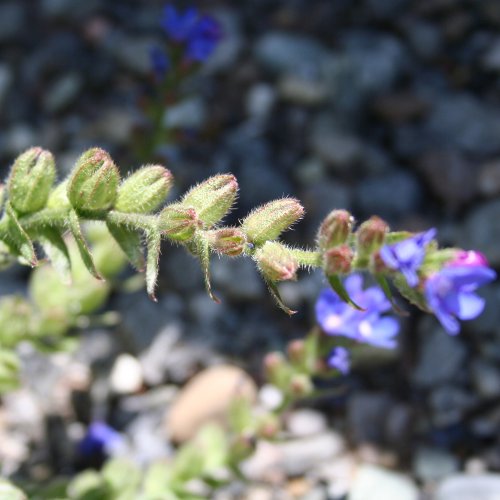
{"x": 387, "y": 107}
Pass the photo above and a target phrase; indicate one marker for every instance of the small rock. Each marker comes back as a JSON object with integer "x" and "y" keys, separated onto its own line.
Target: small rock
{"x": 62, "y": 92}
{"x": 489, "y": 179}
{"x": 19, "y": 138}
{"x": 486, "y": 378}
{"x": 188, "y": 114}
{"x": 375, "y": 483}
{"x": 464, "y": 122}
{"x": 237, "y": 279}
{"x": 450, "y": 176}
{"x": 126, "y": 375}
{"x": 441, "y": 356}
{"x": 6, "y": 78}
{"x": 12, "y": 20}
{"x": 300, "y": 90}
{"x": 391, "y": 196}
{"x": 207, "y": 398}
{"x": 339, "y": 150}
{"x": 400, "y": 107}
{"x": 286, "y": 53}
{"x": 433, "y": 464}
{"x": 491, "y": 59}
{"x": 482, "y": 230}
{"x": 260, "y": 100}
{"x": 292, "y": 458}
{"x": 448, "y": 404}
{"x": 306, "y": 422}
{"x": 462, "y": 487}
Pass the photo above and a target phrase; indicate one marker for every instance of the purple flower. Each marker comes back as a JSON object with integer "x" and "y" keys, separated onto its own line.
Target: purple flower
{"x": 159, "y": 62}
{"x": 179, "y": 26}
{"x": 450, "y": 292}
{"x": 100, "y": 439}
{"x": 407, "y": 256}
{"x": 469, "y": 258}
{"x": 338, "y": 318}
{"x": 339, "y": 359}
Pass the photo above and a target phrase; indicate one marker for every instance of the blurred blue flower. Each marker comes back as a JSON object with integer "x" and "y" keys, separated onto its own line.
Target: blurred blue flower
{"x": 199, "y": 33}
{"x": 450, "y": 293}
{"x": 100, "y": 439}
{"x": 179, "y": 26}
{"x": 204, "y": 39}
{"x": 339, "y": 359}
{"x": 160, "y": 62}
{"x": 407, "y": 256}
{"x": 338, "y": 318}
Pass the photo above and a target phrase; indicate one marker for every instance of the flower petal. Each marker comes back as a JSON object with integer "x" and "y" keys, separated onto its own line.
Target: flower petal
{"x": 470, "y": 306}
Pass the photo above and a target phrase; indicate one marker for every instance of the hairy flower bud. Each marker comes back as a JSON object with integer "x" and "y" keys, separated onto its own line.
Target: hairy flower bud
{"x": 178, "y": 223}
{"x": 94, "y": 183}
{"x": 335, "y": 229}
{"x": 212, "y": 199}
{"x": 301, "y": 385}
{"x": 31, "y": 179}
{"x": 229, "y": 241}
{"x": 268, "y": 221}
{"x": 276, "y": 262}
{"x": 338, "y": 260}
{"x": 296, "y": 351}
{"x": 370, "y": 238}
{"x": 145, "y": 190}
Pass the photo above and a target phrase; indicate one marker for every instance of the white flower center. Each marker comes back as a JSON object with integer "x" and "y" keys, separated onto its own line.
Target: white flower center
{"x": 365, "y": 328}
{"x": 333, "y": 321}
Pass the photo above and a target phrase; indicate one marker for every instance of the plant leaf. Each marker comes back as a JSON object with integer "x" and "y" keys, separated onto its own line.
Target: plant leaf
{"x": 130, "y": 242}
{"x": 18, "y": 238}
{"x": 153, "y": 256}
{"x": 76, "y": 231}
{"x": 273, "y": 290}
{"x": 203, "y": 252}
{"x": 338, "y": 286}
{"x": 54, "y": 246}
{"x": 384, "y": 284}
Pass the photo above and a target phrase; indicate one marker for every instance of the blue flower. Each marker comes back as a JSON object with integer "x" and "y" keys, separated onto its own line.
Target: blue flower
{"x": 339, "y": 359}
{"x": 407, "y": 256}
{"x": 450, "y": 294}
{"x": 100, "y": 439}
{"x": 203, "y": 40}
{"x": 200, "y": 34}
{"x": 160, "y": 62}
{"x": 179, "y": 26}
{"x": 338, "y": 318}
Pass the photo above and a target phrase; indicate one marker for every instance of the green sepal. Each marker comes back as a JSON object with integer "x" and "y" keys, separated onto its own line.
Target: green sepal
{"x": 273, "y": 290}
{"x": 201, "y": 248}
{"x": 55, "y": 248}
{"x": 130, "y": 242}
{"x": 152, "y": 261}
{"x": 397, "y": 236}
{"x": 83, "y": 248}
{"x": 411, "y": 294}
{"x": 384, "y": 284}
{"x": 18, "y": 238}
{"x": 337, "y": 285}
{"x": 9, "y": 377}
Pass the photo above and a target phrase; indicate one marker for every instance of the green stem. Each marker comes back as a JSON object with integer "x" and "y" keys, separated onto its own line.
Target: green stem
{"x": 307, "y": 258}
{"x": 137, "y": 222}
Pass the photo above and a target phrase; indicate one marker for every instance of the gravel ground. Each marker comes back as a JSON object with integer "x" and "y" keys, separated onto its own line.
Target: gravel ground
{"x": 388, "y": 107}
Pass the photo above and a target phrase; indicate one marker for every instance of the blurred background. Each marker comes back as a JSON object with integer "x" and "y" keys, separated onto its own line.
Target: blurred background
{"x": 387, "y": 107}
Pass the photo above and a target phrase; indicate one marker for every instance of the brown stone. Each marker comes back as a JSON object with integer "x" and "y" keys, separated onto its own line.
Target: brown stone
{"x": 207, "y": 398}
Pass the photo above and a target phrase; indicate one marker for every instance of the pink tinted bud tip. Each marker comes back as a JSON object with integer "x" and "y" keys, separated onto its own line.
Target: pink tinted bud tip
{"x": 470, "y": 258}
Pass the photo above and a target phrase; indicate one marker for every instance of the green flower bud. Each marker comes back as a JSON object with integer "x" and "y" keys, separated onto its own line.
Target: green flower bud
{"x": 31, "y": 179}
{"x": 296, "y": 351}
{"x": 276, "y": 369}
{"x": 58, "y": 197}
{"x": 145, "y": 190}
{"x": 268, "y": 426}
{"x": 178, "y": 223}
{"x": 300, "y": 385}
{"x": 94, "y": 183}
{"x": 335, "y": 229}
{"x": 268, "y": 221}
{"x": 276, "y": 262}
{"x": 212, "y": 199}
{"x": 229, "y": 241}
{"x": 338, "y": 260}
{"x": 370, "y": 237}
